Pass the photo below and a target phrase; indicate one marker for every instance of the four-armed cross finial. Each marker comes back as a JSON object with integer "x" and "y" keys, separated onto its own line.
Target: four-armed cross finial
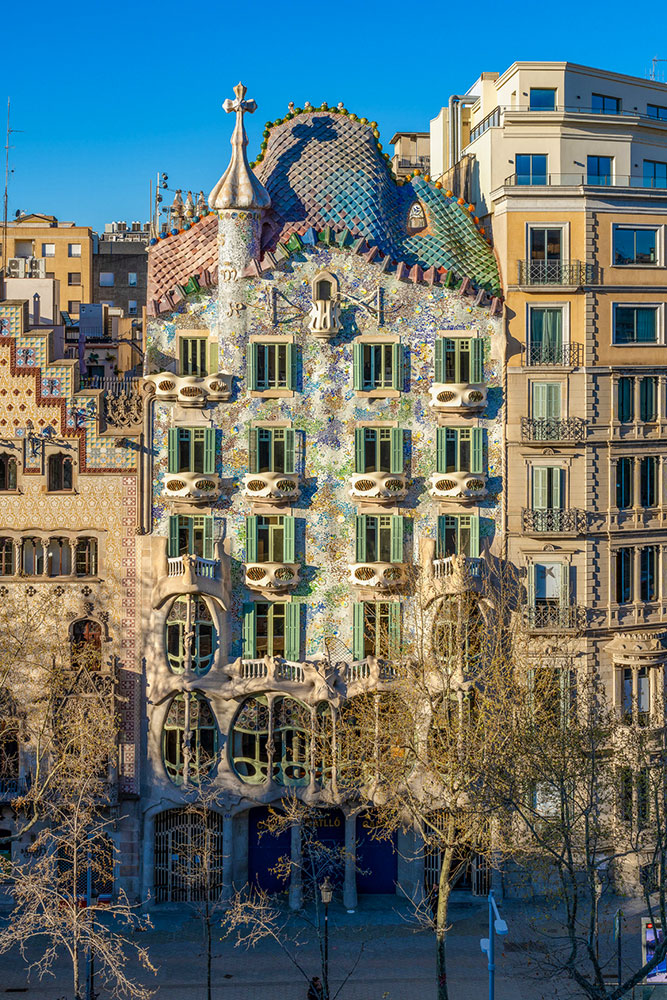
{"x": 240, "y": 105}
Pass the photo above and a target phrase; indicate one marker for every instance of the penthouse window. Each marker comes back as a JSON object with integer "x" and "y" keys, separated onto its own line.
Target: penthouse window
{"x": 602, "y": 104}
{"x": 542, "y": 99}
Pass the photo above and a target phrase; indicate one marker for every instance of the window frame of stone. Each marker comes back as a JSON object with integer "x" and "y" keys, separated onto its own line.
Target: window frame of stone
{"x": 57, "y": 476}
{"x": 283, "y": 525}
{"x": 6, "y": 475}
{"x": 284, "y": 382}
{"x": 392, "y": 352}
{"x": 564, "y": 598}
{"x": 291, "y": 616}
{"x": 458, "y": 522}
{"x": 202, "y": 659}
{"x": 392, "y": 462}
{"x": 261, "y": 436}
{"x": 191, "y": 524}
{"x": 177, "y": 436}
{"x": 379, "y": 535}
{"x": 452, "y": 354}
{"x": 199, "y": 771}
{"x": 367, "y": 638}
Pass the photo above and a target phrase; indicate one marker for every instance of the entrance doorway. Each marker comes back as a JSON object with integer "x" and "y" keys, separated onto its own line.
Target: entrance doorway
{"x": 264, "y": 852}
{"x": 376, "y": 859}
{"x": 188, "y": 855}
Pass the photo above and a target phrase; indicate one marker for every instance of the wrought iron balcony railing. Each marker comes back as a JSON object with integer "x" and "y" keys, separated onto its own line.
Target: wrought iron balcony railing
{"x": 554, "y": 617}
{"x": 555, "y": 272}
{"x": 567, "y": 355}
{"x": 554, "y": 521}
{"x": 561, "y": 429}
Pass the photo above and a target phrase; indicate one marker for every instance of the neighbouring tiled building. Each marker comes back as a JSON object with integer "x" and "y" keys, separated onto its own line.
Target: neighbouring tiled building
{"x": 69, "y": 511}
{"x": 324, "y": 348}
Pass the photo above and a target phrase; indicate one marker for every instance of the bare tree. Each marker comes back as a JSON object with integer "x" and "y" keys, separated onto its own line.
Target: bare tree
{"x": 419, "y": 749}
{"x": 588, "y": 797}
{"x": 254, "y": 914}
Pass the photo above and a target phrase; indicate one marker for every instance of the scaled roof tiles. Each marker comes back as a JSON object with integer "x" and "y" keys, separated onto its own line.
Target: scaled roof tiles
{"x": 321, "y": 170}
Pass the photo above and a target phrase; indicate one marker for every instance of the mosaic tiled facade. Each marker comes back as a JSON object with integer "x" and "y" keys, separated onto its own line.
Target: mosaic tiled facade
{"x": 332, "y": 321}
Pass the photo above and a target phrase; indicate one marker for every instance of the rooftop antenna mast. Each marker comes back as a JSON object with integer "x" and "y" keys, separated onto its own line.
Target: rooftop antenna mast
{"x": 4, "y": 214}
{"x": 653, "y": 64}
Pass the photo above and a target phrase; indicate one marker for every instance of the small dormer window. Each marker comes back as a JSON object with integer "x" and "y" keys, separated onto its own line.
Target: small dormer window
{"x": 416, "y": 218}
{"x": 324, "y": 315}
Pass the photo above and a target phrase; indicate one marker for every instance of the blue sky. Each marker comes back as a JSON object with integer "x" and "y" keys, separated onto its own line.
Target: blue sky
{"x": 108, "y": 94}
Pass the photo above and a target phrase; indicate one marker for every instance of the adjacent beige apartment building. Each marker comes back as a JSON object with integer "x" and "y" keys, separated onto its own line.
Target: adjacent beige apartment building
{"x": 567, "y": 165}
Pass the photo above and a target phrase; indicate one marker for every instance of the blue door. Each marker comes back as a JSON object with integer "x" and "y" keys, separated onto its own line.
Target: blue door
{"x": 377, "y": 859}
{"x": 264, "y": 852}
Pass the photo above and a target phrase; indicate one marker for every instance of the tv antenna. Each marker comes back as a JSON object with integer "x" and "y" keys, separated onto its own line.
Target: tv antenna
{"x": 10, "y": 131}
{"x": 653, "y": 65}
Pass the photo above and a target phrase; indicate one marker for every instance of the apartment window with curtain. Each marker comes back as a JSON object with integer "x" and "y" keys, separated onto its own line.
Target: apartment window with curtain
{"x": 635, "y": 324}
{"x": 624, "y": 559}
{"x": 459, "y": 359}
{"x": 626, "y": 399}
{"x": 648, "y": 481}
{"x": 635, "y": 246}
{"x": 546, "y": 335}
{"x": 624, "y": 480}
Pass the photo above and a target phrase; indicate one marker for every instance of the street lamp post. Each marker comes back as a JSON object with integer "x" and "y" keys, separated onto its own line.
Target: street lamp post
{"x": 488, "y": 945}
{"x": 326, "y": 890}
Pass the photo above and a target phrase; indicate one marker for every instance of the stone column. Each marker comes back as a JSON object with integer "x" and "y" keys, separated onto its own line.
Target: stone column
{"x": 350, "y": 883}
{"x": 227, "y": 855}
{"x": 295, "y": 886}
{"x": 147, "y": 861}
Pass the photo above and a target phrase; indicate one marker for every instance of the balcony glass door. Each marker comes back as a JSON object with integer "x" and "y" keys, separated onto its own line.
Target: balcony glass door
{"x": 546, "y": 337}
{"x": 546, "y": 256}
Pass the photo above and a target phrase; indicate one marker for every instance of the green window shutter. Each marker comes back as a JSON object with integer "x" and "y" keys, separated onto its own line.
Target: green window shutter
{"x": 358, "y": 366}
{"x": 397, "y": 372}
{"x": 441, "y": 456}
{"x": 477, "y": 359}
{"x": 173, "y": 535}
{"x": 252, "y": 365}
{"x": 172, "y": 445}
{"x": 208, "y": 537}
{"x": 290, "y": 454}
{"x": 209, "y": 450}
{"x": 185, "y": 368}
{"x": 251, "y": 539}
{"x": 292, "y": 630}
{"x": 291, "y": 367}
{"x": 440, "y": 549}
{"x": 439, "y": 359}
{"x": 288, "y": 536}
{"x": 360, "y": 548}
{"x": 477, "y": 450}
{"x": 540, "y": 491}
{"x": 557, "y": 489}
{"x": 359, "y": 451}
{"x": 394, "y": 628}
{"x": 249, "y": 631}
{"x": 396, "y": 538}
{"x": 540, "y": 403}
{"x": 553, "y": 399}
{"x": 397, "y": 450}
{"x": 531, "y": 585}
{"x": 252, "y": 448}
{"x": 474, "y": 535}
{"x": 564, "y": 585}
{"x": 213, "y": 357}
{"x": 358, "y": 631}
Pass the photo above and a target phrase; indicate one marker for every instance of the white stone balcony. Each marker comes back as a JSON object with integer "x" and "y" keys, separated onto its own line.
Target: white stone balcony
{"x": 192, "y": 390}
{"x": 457, "y": 574}
{"x": 193, "y": 487}
{"x": 196, "y": 565}
{"x": 276, "y": 487}
{"x": 275, "y": 673}
{"x": 189, "y": 574}
{"x": 367, "y": 675}
{"x": 378, "y": 487}
{"x": 378, "y": 575}
{"x": 272, "y": 577}
{"x": 458, "y": 397}
{"x": 457, "y": 485}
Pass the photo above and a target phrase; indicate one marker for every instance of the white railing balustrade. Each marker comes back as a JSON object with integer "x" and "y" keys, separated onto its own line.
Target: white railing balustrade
{"x": 201, "y": 567}
{"x": 443, "y": 568}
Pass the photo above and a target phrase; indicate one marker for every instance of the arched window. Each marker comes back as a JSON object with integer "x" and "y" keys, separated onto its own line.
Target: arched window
{"x": 416, "y": 218}
{"x": 291, "y": 740}
{"x": 86, "y": 644}
{"x": 8, "y": 469}
{"x": 323, "y": 743}
{"x": 6, "y": 556}
{"x": 85, "y": 557}
{"x": 33, "y": 556}
{"x": 191, "y": 636}
{"x": 458, "y": 631}
{"x": 250, "y": 736}
{"x": 59, "y": 476}
{"x": 189, "y": 739}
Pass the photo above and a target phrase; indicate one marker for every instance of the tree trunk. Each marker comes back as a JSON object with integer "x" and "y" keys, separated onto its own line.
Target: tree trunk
{"x": 208, "y": 956}
{"x": 441, "y": 916}
{"x": 75, "y": 968}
